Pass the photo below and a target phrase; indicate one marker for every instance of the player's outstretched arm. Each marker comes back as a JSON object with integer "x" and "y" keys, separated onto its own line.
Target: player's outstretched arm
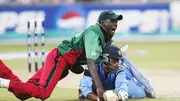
{"x": 93, "y": 50}
{"x": 94, "y": 74}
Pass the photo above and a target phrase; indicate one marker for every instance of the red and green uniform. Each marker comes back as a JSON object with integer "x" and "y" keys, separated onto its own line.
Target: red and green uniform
{"x": 88, "y": 44}
{"x": 91, "y": 41}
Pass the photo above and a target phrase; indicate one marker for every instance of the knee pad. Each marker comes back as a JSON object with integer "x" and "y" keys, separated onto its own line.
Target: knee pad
{"x": 77, "y": 69}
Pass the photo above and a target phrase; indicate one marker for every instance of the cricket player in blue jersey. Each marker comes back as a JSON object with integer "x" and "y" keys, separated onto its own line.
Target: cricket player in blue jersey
{"x": 116, "y": 78}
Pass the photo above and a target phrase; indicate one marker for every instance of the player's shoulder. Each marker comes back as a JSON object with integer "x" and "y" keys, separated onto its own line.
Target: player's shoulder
{"x": 90, "y": 33}
{"x": 94, "y": 29}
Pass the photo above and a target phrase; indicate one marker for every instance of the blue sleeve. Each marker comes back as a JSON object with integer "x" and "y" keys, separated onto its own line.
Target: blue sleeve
{"x": 86, "y": 85}
{"x": 121, "y": 82}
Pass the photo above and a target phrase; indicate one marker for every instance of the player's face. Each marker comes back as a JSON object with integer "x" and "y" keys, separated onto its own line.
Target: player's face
{"x": 110, "y": 25}
{"x": 113, "y": 63}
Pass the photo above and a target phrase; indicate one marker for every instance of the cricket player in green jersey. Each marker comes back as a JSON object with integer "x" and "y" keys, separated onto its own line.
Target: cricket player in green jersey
{"x": 83, "y": 48}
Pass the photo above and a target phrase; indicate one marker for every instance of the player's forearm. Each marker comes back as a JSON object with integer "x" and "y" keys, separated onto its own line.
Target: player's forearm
{"x": 94, "y": 74}
{"x": 92, "y": 96}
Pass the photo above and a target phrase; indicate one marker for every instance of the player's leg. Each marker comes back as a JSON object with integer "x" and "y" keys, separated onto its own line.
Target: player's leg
{"x": 6, "y": 73}
{"x": 135, "y": 91}
{"x": 51, "y": 74}
{"x": 32, "y": 87}
{"x": 36, "y": 77}
{"x": 35, "y": 80}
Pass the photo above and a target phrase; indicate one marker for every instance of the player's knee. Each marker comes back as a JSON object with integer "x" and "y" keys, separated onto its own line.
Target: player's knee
{"x": 137, "y": 95}
{"x": 45, "y": 97}
{"x": 22, "y": 97}
{"x": 40, "y": 92}
{"x": 135, "y": 91}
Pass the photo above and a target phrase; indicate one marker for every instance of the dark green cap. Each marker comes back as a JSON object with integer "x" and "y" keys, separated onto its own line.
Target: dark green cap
{"x": 109, "y": 15}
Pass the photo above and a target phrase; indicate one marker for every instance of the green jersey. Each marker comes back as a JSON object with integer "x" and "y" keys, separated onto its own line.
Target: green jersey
{"x": 91, "y": 41}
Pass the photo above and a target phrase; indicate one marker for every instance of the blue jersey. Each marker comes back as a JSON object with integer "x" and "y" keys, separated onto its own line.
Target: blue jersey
{"x": 115, "y": 80}
{"x": 126, "y": 78}
{"x": 133, "y": 74}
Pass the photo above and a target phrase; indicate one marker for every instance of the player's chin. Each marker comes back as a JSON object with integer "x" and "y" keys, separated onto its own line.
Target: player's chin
{"x": 111, "y": 34}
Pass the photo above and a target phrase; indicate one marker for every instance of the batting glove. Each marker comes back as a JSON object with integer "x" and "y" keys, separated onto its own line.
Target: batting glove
{"x": 122, "y": 95}
{"x": 110, "y": 95}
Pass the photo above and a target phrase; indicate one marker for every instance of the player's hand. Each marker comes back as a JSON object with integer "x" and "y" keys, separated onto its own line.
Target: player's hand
{"x": 122, "y": 95}
{"x": 110, "y": 95}
{"x": 100, "y": 93}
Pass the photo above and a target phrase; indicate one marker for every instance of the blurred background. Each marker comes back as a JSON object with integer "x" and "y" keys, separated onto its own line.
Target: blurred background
{"x": 151, "y": 28}
{"x": 143, "y": 19}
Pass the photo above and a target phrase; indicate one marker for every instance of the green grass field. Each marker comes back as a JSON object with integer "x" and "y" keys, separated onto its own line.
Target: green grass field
{"x": 62, "y": 94}
{"x": 164, "y": 55}
{"x": 160, "y": 55}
